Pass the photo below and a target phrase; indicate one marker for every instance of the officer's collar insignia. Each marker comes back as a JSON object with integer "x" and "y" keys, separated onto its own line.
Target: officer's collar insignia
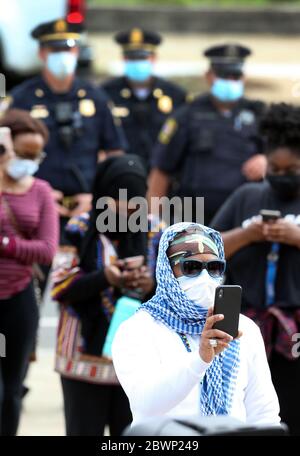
{"x": 60, "y": 26}
{"x": 39, "y": 112}
{"x": 81, "y": 93}
{"x": 136, "y": 36}
{"x": 87, "y": 108}
{"x": 167, "y": 131}
{"x": 125, "y": 93}
{"x": 39, "y": 93}
{"x": 165, "y": 104}
{"x": 157, "y": 93}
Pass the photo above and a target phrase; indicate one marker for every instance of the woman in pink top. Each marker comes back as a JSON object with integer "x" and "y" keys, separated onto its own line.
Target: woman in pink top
{"x": 28, "y": 235}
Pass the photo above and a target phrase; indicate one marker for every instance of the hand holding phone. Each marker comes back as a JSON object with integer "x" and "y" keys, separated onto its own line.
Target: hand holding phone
{"x": 132, "y": 271}
{"x": 228, "y": 300}
{"x": 134, "y": 262}
{"x": 222, "y": 322}
{"x": 270, "y": 215}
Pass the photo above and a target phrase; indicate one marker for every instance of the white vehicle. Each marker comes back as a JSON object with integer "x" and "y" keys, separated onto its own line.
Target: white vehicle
{"x": 18, "y": 51}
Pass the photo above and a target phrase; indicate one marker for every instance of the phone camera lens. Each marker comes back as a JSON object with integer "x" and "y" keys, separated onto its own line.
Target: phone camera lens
{"x": 221, "y": 294}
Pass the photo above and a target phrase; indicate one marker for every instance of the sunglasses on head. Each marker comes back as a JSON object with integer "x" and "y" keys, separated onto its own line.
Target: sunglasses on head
{"x": 193, "y": 268}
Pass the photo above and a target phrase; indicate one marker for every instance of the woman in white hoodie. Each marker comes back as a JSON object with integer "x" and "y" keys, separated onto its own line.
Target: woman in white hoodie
{"x": 174, "y": 362}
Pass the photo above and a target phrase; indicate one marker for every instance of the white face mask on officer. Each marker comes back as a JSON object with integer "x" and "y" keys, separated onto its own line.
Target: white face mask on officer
{"x": 17, "y": 168}
{"x": 200, "y": 289}
{"x": 61, "y": 64}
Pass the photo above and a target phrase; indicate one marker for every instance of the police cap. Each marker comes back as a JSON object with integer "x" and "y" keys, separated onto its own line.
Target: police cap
{"x": 227, "y": 59}
{"x": 58, "y": 33}
{"x": 138, "y": 43}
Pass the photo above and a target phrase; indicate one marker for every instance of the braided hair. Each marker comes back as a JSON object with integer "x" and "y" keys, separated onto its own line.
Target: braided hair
{"x": 280, "y": 127}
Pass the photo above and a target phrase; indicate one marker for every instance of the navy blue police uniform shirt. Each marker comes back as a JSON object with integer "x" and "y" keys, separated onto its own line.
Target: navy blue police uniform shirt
{"x": 71, "y": 169}
{"x": 205, "y": 149}
{"x": 142, "y": 119}
{"x": 248, "y": 266}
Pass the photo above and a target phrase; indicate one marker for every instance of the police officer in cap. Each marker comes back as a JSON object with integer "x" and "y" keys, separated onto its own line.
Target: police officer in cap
{"x": 212, "y": 144}
{"x": 142, "y": 100}
{"x": 76, "y": 113}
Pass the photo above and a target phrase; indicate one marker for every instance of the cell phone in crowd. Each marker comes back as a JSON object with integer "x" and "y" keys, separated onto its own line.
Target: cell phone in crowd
{"x": 269, "y": 215}
{"x": 228, "y": 300}
{"x": 134, "y": 262}
{"x": 5, "y": 140}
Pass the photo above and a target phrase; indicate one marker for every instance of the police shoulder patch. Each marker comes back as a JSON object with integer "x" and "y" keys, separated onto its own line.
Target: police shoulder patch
{"x": 168, "y": 130}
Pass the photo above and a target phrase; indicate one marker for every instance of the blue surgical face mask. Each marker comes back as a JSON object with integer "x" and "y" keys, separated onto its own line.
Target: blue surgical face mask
{"x": 18, "y": 168}
{"x": 61, "y": 64}
{"x": 138, "y": 70}
{"x": 227, "y": 90}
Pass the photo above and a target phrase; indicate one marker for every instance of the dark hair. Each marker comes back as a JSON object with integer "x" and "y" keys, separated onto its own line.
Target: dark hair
{"x": 280, "y": 127}
{"x": 20, "y": 121}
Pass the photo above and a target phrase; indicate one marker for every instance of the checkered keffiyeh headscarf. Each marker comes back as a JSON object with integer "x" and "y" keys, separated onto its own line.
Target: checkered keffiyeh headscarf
{"x": 171, "y": 306}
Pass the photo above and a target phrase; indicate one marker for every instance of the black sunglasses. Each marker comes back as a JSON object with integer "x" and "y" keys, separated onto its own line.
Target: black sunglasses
{"x": 193, "y": 268}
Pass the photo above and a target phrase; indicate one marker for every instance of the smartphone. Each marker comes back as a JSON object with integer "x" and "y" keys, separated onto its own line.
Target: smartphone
{"x": 269, "y": 215}
{"x": 134, "y": 262}
{"x": 228, "y": 300}
{"x": 5, "y": 140}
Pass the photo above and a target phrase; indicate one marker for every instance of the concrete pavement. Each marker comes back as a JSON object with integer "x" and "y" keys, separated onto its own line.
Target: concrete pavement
{"x": 43, "y": 408}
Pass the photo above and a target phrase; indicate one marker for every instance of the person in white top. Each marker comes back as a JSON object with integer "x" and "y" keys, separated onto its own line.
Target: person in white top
{"x": 170, "y": 360}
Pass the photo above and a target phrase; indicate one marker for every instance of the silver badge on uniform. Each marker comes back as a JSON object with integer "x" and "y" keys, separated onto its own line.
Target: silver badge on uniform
{"x": 245, "y": 118}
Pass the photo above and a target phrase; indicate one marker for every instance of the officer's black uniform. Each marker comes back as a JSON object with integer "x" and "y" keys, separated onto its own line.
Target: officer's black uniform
{"x": 141, "y": 118}
{"x": 206, "y": 149}
{"x": 80, "y": 125}
{"x": 80, "y": 121}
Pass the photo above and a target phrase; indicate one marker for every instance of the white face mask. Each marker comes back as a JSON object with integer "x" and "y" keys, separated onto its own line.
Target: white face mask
{"x": 18, "y": 168}
{"x": 200, "y": 289}
{"x": 61, "y": 64}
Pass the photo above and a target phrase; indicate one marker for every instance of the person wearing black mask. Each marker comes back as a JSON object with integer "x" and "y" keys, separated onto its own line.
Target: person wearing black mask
{"x": 264, "y": 253}
{"x": 88, "y": 292}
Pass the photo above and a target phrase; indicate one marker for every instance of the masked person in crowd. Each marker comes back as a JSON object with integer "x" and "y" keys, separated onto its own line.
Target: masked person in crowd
{"x": 168, "y": 357}
{"x": 214, "y": 135}
{"x": 28, "y": 235}
{"x": 93, "y": 396}
{"x": 142, "y": 100}
{"x": 76, "y": 113}
{"x": 264, "y": 255}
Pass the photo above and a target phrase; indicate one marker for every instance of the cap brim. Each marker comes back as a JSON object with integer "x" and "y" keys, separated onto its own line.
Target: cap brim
{"x": 138, "y": 53}
{"x": 228, "y": 69}
{"x": 60, "y": 44}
